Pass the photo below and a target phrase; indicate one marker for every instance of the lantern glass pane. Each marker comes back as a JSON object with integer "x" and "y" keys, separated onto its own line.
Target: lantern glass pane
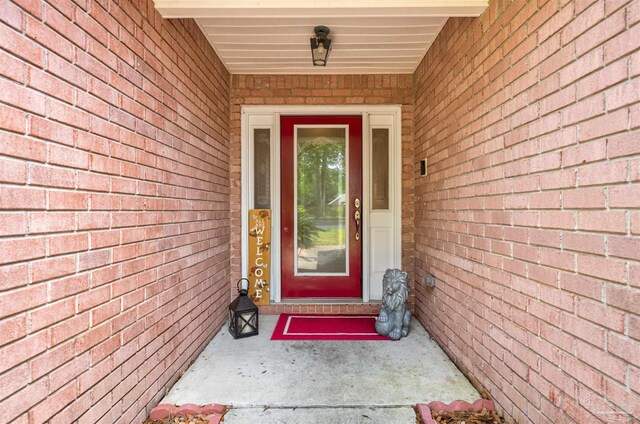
{"x": 232, "y": 322}
{"x": 247, "y": 322}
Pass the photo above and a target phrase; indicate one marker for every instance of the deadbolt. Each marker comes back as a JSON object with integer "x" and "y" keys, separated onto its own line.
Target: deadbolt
{"x": 356, "y": 203}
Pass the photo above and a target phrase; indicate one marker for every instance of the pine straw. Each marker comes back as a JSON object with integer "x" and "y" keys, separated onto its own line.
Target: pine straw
{"x": 180, "y": 419}
{"x": 183, "y": 419}
{"x": 467, "y": 417}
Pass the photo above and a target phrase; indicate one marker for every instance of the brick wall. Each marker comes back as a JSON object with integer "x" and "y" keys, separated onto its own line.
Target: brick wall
{"x": 114, "y": 207}
{"x": 323, "y": 90}
{"x": 530, "y": 215}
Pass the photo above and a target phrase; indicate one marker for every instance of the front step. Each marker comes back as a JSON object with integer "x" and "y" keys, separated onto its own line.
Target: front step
{"x": 323, "y": 415}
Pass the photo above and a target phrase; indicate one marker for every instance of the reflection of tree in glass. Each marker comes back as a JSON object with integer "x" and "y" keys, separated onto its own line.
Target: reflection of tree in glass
{"x": 307, "y": 229}
{"x": 321, "y": 170}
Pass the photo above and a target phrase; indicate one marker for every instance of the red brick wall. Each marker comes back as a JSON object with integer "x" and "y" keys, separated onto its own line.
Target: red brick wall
{"x": 530, "y": 215}
{"x": 114, "y": 207}
{"x": 323, "y": 90}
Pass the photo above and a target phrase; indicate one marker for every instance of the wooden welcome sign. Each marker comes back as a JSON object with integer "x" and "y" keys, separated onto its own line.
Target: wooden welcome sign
{"x": 260, "y": 256}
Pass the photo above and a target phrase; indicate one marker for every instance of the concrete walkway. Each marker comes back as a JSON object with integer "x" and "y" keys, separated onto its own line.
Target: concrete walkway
{"x": 321, "y": 381}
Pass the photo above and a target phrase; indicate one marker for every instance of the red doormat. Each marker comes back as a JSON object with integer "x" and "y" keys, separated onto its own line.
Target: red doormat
{"x": 326, "y": 327}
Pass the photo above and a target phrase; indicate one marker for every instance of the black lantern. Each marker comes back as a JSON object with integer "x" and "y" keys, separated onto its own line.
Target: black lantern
{"x": 320, "y": 46}
{"x": 243, "y": 314}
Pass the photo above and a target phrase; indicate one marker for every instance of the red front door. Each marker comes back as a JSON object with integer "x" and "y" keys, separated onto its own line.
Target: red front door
{"x": 321, "y": 206}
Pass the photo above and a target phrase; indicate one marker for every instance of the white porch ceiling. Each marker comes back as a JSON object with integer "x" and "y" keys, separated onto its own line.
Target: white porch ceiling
{"x": 368, "y": 36}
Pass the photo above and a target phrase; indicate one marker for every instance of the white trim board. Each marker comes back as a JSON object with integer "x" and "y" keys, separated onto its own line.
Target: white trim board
{"x": 271, "y": 37}
{"x": 282, "y": 8}
{"x": 374, "y": 116}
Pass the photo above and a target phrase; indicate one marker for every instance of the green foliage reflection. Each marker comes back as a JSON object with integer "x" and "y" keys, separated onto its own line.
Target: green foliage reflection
{"x": 321, "y": 185}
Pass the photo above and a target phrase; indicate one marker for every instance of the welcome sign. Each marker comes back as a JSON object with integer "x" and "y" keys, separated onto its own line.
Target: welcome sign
{"x": 260, "y": 256}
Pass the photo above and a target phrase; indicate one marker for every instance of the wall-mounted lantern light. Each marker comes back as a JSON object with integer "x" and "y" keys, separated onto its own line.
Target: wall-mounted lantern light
{"x": 320, "y": 46}
{"x": 243, "y": 313}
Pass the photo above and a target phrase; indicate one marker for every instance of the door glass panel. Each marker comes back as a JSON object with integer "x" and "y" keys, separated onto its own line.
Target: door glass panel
{"x": 380, "y": 168}
{"x": 321, "y": 200}
{"x": 262, "y": 168}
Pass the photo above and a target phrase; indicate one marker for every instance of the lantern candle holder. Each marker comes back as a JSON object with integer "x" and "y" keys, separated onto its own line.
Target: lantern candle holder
{"x": 243, "y": 313}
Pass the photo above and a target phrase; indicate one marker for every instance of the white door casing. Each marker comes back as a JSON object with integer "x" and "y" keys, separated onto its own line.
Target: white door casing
{"x": 382, "y": 241}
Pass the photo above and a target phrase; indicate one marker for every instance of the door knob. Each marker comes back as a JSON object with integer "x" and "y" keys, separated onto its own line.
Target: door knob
{"x": 356, "y": 216}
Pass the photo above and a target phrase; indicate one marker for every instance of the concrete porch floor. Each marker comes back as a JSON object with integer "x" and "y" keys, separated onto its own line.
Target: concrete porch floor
{"x": 321, "y": 381}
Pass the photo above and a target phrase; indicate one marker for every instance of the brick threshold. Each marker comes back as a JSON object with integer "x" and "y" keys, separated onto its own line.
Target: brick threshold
{"x": 322, "y": 306}
{"x": 326, "y": 301}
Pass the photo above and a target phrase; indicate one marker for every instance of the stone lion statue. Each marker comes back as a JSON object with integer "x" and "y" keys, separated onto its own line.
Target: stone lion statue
{"x": 394, "y": 317}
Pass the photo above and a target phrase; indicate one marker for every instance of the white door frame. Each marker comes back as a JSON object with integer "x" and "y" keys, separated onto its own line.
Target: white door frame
{"x": 259, "y": 116}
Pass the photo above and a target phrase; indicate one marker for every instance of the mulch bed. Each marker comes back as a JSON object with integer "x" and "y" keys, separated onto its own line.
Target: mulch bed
{"x": 467, "y": 417}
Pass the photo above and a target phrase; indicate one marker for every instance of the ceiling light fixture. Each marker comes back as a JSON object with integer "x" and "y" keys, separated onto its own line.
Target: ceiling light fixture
{"x": 320, "y": 46}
